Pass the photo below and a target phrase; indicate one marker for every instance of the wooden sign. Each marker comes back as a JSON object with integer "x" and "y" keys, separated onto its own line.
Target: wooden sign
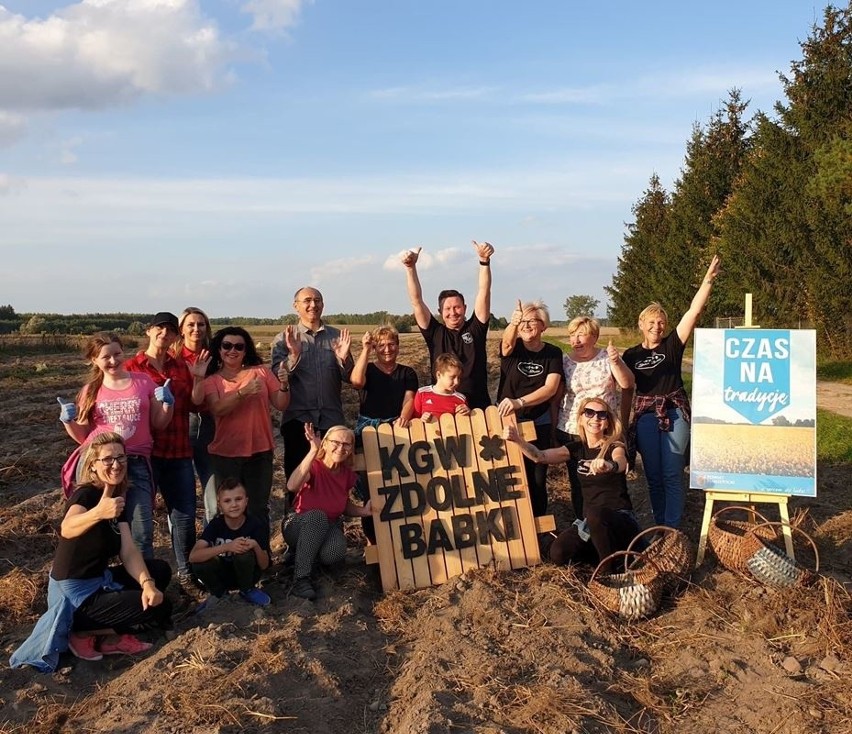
{"x": 449, "y": 496}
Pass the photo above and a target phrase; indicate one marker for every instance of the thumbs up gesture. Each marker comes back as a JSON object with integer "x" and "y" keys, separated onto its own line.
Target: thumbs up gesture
{"x": 67, "y": 410}
{"x": 517, "y": 314}
{"x": 164, "y": 394}
{"x": 409, "y": 257}
{"x": 612, "y": 351}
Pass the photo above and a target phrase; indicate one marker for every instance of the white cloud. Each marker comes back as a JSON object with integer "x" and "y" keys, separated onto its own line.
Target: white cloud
{"x": 339, "y": 267}
{"x": 12, "y": 128}
{"x": 11, "y": 184}
{"x": 97, "y": 53}
{"x": 273, "y": 15}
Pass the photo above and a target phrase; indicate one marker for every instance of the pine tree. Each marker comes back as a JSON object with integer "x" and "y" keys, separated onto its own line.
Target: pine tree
{"x": 633, "y": 283}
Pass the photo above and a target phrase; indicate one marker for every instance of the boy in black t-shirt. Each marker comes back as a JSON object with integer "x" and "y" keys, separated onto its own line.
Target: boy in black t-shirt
{"x": 233, "y": 550}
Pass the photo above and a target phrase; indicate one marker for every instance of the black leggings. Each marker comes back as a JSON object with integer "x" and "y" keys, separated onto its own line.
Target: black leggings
{"x": 610, "y": 530}
{"x": 122, "y": 611}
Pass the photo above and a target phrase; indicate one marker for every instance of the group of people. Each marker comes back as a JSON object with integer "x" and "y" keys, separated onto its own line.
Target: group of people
{"x": 198, "y": 404}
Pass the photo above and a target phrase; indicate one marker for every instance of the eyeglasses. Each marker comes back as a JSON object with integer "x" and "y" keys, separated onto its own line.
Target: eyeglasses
{"x": 233, "y": 347}
{"x": 308, "y": 301}
{"x": 342, "y": 445}
{"x": 602, "y": 415}
{"x": 530, "y": 322}
{"x": 108, "y": 461}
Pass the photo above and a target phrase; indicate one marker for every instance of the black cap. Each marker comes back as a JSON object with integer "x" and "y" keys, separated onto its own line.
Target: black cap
{"x": 164, "y": 318}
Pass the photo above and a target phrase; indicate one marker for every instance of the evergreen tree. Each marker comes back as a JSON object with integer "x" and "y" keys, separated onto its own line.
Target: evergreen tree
{"x": 633, "y": 283}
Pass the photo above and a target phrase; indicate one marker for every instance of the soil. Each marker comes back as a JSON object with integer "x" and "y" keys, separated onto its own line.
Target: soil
{"x": 489, "y": 652}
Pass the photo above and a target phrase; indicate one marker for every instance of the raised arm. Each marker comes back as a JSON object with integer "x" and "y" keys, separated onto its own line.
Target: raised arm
{"x": 422, "y": 314}
{"x": 687, "y": 324}
{"x": 482, "y": 305}
{"x": 510, "y": 334}
{"x": 301, "y": 473}
{"x": 358, "y": 378}
{"x": 620, "y": 371}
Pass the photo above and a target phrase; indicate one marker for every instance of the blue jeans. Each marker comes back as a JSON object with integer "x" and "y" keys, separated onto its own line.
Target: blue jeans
{"x": 663, "y": 458}
{"x": 139, "y": 504}
{"x": 176, "y": 482}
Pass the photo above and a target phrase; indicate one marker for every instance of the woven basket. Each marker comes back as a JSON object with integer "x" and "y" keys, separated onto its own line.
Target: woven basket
{"x": 772, "y": 566}
{"x": 631, "y": 595}
{"x": 733, "y": 541}
{"x": 671, "y": 552}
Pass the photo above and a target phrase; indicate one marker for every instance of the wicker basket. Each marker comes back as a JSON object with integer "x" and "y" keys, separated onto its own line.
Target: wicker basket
{"x": 733, "y": 541}
{"x": 631, "y": 595}
{"x": 772, "y": 566}
{"x": 671, "y": 552}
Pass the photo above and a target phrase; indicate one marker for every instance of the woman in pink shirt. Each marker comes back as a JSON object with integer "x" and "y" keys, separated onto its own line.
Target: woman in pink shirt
{"x": 238, "y": 391}
{"x": 130, "y": 404}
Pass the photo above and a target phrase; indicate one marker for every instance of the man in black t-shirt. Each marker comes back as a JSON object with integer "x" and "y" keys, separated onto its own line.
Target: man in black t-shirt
{"x": 463, "y": 338}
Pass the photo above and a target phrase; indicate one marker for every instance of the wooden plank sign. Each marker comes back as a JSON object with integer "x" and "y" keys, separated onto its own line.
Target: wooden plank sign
{"x": 449, "y": 496}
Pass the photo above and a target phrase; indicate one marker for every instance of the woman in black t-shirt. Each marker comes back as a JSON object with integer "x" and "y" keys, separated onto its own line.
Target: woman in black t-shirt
{"x": 609, "y": 524}
{"x": 94, "y": 609}
{"x": 530, "y": 377}
{"x": 661, "y": 411}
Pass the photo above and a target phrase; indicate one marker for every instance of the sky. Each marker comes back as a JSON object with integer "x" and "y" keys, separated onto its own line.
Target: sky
{"x": 156, "y": 154}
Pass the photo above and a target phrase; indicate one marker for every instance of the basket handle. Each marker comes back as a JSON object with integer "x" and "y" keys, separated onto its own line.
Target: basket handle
{"x": 625, "y": 554}
{"x": 653, "y": 528}
{"x": 793, "y": 527}
{"x": 740, "y": 507}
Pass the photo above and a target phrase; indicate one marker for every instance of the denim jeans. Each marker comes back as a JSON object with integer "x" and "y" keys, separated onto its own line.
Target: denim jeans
{"x": 139, "y": 504}
{"x": 176, "y": 482}
{"x": 663, "y": 458}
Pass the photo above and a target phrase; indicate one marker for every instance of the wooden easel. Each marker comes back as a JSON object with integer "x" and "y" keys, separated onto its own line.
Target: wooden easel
{"x": 748, "y": 498}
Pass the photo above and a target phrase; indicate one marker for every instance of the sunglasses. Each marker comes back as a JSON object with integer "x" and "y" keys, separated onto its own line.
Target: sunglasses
{"x": 602, "y": 415}
{"x": 233, "y": 347}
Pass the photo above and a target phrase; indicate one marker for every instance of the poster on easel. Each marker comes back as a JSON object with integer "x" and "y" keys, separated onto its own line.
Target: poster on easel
{"x": 754, "y": 411}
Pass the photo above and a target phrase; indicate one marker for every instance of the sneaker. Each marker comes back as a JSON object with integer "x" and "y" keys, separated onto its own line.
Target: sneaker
{"x": 125, "y": 645}
{"x": 304, "y": 588}
{"x": 190, "y": 585}
{"x": 84, "y": 647}
{"x": 256, "y": 596}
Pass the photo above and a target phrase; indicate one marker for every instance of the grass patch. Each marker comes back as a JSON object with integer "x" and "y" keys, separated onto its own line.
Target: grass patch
{"x": 833, "y": 437}
{"x": 835, "y": 371}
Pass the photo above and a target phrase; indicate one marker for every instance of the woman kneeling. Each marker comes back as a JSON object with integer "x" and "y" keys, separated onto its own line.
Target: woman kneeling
{"x": 323, "y": 482}
{"x": 94, "y": 608}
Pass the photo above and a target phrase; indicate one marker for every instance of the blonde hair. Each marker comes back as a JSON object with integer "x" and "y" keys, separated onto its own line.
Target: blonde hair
{"x": 655, "y": 309}
{"x": 87, "y": 470}
{"x": 612, "y": 431}
{"x": 447, "y": 361}
{"x": 337, "y": 429}
{"x": 541, "y": 311}
{"x": 189, "y": 311}
{"x": 591, "y": 326}
{"x": 89, "y": 393}
{"x": 386, "y": 332}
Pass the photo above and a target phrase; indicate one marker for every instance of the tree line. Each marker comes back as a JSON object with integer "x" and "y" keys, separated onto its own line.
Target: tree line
{"x": 135, "y": 323}
{"x": 771, "y": 194}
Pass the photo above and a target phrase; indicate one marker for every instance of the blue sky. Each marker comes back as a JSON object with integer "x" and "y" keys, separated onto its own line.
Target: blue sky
{"x": 161, "y": 153}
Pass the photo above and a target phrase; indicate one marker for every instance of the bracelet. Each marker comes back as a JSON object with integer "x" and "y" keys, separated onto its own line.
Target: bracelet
{"x": 284, "y": 388}
{"x": 485, "y": 263}
{"x": 708, "y": 282}
{"x": 522, "y": 402}
{"x": 145, "y": 581}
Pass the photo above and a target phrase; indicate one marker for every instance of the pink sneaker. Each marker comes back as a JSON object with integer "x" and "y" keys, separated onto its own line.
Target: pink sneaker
{"x": 125, "y": 645}
{"x": 84, "y": 647}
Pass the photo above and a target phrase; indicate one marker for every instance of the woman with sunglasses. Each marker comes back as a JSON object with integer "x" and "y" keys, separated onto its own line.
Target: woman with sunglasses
{"x": 609, "y": 524}
{"x": 661, "y": 410}
{"x": 94, "y": 608}
{"x": 530, "y": 377}
{"x": 322, "y": 483}
{"x": 590, "y": 371}
{"x": 238, "y": 391}
{"x": 194, "y": 344}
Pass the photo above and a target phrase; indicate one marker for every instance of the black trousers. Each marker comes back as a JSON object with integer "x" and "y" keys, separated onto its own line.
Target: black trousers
{"x": 610, "y": 530}
{"x": 122, "y": 610}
